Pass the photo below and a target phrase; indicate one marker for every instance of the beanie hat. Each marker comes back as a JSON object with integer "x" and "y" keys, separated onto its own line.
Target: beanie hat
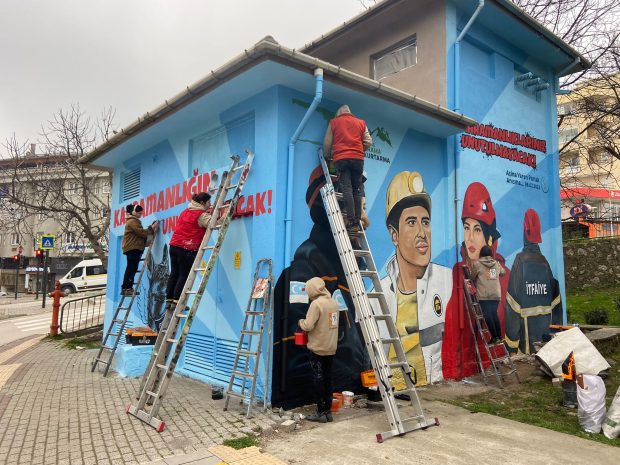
{"x": 531, "y": 226}
{"x": 129, "y": 208}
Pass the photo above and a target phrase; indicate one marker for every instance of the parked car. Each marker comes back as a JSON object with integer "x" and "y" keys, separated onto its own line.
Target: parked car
{"x": 85, "y": 276}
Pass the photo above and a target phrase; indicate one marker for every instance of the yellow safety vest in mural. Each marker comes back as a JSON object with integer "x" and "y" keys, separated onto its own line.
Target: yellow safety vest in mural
{"x": 408, "y": 329}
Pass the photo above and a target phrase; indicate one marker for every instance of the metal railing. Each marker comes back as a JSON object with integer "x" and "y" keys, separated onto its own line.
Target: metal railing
{"x": 82, "y": 314}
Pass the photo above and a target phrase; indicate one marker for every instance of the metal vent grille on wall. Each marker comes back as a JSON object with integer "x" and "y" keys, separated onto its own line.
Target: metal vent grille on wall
{"x": 131, "y": 184}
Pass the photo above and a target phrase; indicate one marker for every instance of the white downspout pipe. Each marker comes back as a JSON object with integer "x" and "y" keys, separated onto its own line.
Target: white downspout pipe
{"x": 457, "y": 108}
{"x": 288, "y": 229}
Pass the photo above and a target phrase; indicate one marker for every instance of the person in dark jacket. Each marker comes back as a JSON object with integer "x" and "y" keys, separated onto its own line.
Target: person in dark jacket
{"x": 485, "y": 274}
{"x": 345, "y": 141}
{"x": 134, "y": 243}
{"x": 185, "y": 242}
{"x": 533, "y": 301}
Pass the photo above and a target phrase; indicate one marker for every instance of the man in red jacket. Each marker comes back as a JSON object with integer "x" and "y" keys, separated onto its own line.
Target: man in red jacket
{"x": 346, "y": 140}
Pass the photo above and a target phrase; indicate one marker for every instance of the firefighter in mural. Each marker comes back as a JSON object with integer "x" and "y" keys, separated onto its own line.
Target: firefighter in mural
{"x": 317, "y": 256}
{"x": 416, "y": 289}
{"x": 533, "y": 301}
{"x": 479, "y": 229}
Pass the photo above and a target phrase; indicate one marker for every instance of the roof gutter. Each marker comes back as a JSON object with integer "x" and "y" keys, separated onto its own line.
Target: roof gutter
{"x": 267, "y": 47}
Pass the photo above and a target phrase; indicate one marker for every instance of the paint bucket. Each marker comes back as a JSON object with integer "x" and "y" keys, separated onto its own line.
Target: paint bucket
{"x": 335, "y": 405}
{"x": 348, "y": 398}
{"x": 338, "y": 396}
{"x": 301, "y": 338}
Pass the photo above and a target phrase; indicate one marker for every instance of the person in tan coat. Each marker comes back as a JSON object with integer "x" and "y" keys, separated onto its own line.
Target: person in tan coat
{"x": 321, "y": 323}
{"x": 134, "y": 243}
{"x": 485, "y": 274}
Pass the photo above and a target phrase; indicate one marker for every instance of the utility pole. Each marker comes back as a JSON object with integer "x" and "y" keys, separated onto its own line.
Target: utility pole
{"x": 45, "y": 257}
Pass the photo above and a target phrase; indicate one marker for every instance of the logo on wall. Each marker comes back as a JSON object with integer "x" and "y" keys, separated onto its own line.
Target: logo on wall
{"x": 437, "y": 305}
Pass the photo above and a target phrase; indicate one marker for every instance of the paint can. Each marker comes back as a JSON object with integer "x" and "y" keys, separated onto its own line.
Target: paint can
{"x": 301, "y": 338}
{"x": 335, "y": 405}
{"x": 348, "y": 398}
{"x": 338, "y": 396}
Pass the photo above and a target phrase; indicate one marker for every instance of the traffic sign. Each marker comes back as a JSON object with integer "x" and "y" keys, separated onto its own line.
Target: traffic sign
{"x": 47, "y": 241}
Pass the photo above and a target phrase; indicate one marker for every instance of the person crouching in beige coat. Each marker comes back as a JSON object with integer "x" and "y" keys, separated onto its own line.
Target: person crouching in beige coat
{"x": 321, "y": 323}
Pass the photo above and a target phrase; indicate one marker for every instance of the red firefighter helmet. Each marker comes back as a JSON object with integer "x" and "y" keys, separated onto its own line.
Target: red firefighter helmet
{"x": 477, "y": 204}
{"x": 531, "y": 226}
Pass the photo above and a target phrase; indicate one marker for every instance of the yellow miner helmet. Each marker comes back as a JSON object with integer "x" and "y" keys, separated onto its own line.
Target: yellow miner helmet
{"x": 405, "y": 190}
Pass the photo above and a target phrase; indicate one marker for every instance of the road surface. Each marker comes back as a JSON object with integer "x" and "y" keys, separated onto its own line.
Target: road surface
{"x": 16, "y": 328}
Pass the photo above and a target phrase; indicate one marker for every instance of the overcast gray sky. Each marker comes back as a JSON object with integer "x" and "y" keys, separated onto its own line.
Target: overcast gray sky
{"x": 133, "y": 54}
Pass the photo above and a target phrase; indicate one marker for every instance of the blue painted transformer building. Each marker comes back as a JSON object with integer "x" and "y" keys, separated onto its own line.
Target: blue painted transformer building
{"x": 459, "y": 97}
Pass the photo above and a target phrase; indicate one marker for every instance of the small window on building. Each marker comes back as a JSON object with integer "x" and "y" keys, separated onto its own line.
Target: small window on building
{"x": 15, "y": 239}
{"x": 105, "y": 187}
{"x": 70, "y": 237}
{"x": 2, "y": 239}
{"x": 396, "y": 58}
{"x": 73, "y": 188}
{"x": 568, "y": 134}
{"x": 96, "y": 187}
{"x": 566, "y": 109}
{"x": 131, "y": 184}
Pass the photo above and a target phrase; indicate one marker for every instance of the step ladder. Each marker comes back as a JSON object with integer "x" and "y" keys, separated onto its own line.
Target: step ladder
{"x": 258, "y": 312}
{"x": 119, "y": 320}
{"x": 180, "y": 315}
{"x": 496, "y": 352}
{"x": 370, "y": 320}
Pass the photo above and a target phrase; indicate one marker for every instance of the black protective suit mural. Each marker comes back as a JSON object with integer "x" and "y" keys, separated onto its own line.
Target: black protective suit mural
{"x": 154, "y": 286}
{"x": 316, "y": 256}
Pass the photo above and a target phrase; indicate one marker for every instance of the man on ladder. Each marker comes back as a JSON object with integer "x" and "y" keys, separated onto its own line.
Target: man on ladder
{"x": 345, "y": 141}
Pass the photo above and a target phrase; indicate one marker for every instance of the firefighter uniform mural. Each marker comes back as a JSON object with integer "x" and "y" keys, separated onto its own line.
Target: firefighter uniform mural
{"x": 416, "y": 289}
{"x": 479, "y": 229}
{"x": 533, "y": 299}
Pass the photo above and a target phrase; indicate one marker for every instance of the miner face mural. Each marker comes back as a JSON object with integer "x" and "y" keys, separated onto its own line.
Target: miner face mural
{"x": 412, "y": 238}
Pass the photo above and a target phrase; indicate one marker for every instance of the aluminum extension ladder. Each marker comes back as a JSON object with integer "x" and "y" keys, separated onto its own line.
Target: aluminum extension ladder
{"x": 369, "y": 321}
{"x": 496, "y": 352}
{"x": 117, "y": 325}
{"x": 247, "y": 358}
{"x": 178, "y": 321}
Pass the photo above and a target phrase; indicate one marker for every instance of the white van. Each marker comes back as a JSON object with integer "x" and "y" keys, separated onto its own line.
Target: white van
{"x": 86, "y": 275}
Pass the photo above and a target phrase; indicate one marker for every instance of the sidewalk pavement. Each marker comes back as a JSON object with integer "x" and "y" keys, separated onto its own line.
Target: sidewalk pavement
{"x": 53, "y": 410}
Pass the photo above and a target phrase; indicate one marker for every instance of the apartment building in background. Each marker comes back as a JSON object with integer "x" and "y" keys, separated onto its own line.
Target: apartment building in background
{"x": 589, "y": 141}
{"x": 21, "y": 233}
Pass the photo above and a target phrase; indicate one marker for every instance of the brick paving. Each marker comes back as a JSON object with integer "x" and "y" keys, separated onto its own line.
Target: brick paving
{"x": 53, "y": 410}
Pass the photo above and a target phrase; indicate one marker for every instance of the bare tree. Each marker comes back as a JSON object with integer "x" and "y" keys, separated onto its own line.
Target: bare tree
{"x": 55, "y": 185}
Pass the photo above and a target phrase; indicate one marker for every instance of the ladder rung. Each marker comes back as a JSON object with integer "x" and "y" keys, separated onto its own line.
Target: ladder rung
{"x": 238, "y": 167}
{"x": 382, "y": 316}
{"x": 113, "y": 334}
{"x": 415, "y": 418}
{"x": 367, "y": 273}
{"x": 191, "y": 292}
{"x": 254, "y": 313}
{"x": 209, "y": 247}
{"x": 151, "y": 393}
{"x": 398, "y": 365}
{"x": 361, "y": 253}
{"x": 243, "y": 374}
{"x": 199, "y": 269}
{"x": 99, "y": 360}
{"x": 181, "y": 315}
{"x": 162, "y": 367}
{"x": 107, "y": 347}
{"x": 246, "y": 353}
{"x": 374, "y": 295}
{"x": 235, "y": 394}
{"x": 232, "y": 186}
{"x": 118, "y": 321}
{"x": 250, "y": 331}
{"x": 173, "y": 341}
{"x": 389, "y": 340}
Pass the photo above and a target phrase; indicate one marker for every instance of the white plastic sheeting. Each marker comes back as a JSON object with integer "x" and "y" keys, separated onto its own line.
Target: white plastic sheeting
{"x": 588, "y": 360}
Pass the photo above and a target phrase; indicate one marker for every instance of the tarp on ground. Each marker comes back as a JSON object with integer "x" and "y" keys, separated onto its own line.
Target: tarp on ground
{"x": 588, "y": 360}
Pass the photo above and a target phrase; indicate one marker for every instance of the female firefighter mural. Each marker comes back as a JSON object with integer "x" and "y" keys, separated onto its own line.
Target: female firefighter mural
{"x": 479, "y": 229}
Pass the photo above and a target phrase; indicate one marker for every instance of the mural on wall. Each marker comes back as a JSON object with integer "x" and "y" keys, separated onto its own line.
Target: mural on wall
{"x": 479, "y": 222}
{"x": 533, "y": 301}
{"x": 154, "y": 286}
{"x": 415, "y": 288}
{"x": 317, "y": 256}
